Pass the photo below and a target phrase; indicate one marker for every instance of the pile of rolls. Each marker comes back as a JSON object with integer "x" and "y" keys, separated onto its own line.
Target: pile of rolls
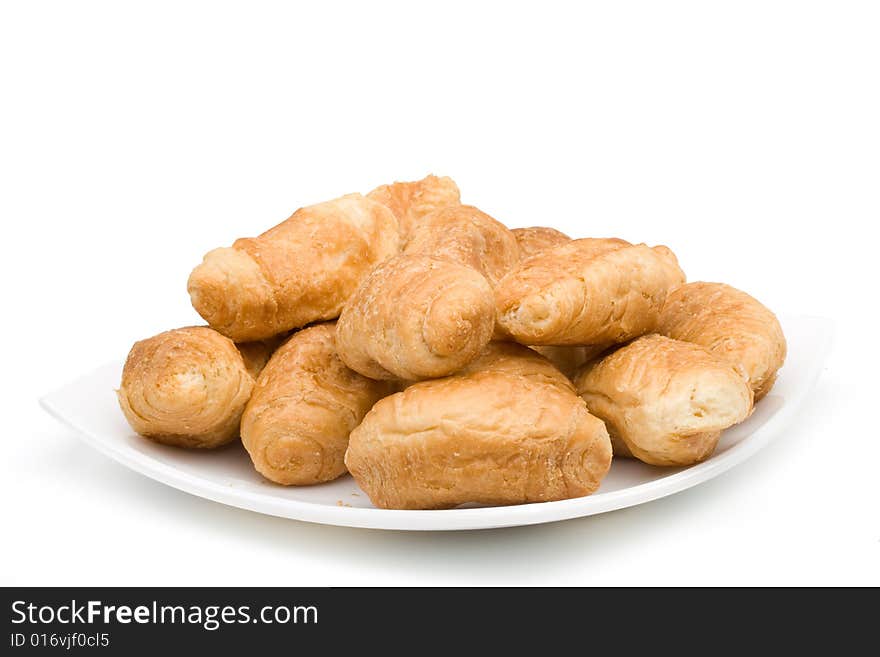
{"x": 441, "y": 358}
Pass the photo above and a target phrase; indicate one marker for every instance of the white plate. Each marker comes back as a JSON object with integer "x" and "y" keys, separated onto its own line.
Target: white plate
{"x": 89, "y": 406}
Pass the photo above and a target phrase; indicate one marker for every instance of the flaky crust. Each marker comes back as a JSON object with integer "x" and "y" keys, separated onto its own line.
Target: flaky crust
{"x": 305, "y": 404}
{"x": 510, "y": 358}
{"x": 664, "y": 401}
{"x": 302, "y": 270}
{"x": 186, "y": 387}
{"x": 731, "y": 324}
{"x": 534, "y": 241}
{"x": 509, "y": 433}
{"x": 468, "y": 236}
{"x": 586, "y": 292}
{"x": 416, "y": 317}
{"x": 411, "y": 201}
{"x": 537, "y": 239}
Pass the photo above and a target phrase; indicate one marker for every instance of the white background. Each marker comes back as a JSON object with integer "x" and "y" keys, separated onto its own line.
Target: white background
{"x": 745, "y": 135}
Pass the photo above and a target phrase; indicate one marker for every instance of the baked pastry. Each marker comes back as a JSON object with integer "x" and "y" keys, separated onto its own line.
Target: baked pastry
{"x": 533, "y": 241}
{"x": 537, "y": 239}
{"x": 305, "y": 403}
{"x": 510, "y": 358}
{"x": 410, "y": 201}
{"x": 507, "y": 429}
{"x": 586, "y": 292}
{"x": 664, "y": 401}
{"x": 464, "y": 234}
{"x": 416, "y": 317}
{"x": 188, "y": 387}
{"x": 302, "y": 270}
{"x": 731, "y": 324}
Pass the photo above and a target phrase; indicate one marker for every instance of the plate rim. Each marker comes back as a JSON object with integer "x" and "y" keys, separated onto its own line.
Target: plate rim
{"x": 468, "y": 518}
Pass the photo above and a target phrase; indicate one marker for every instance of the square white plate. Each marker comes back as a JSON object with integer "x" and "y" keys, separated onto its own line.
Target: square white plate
{"x": 89, "y": 406}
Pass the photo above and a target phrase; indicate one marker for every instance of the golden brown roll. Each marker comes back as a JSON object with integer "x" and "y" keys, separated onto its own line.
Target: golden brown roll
{"x": 410, "y": 201}
{"x": 302, "y": 270}
{"x": 731, "y": 324}
{"x": 510, "y": 358}
{"x": 533, "y": 241}
{"x": 416, "y": 317}
{"x": 508, "y": 429}
{"x": 664, "y": 401}
{"x": 586, "y": 292}
{"x": 187, "y": 387}
{"x": 464, "y": 234}
{"x": 538, "y": 239}
{"x": 305, "y": 404}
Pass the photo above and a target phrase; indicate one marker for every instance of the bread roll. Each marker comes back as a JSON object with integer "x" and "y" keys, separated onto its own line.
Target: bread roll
{"x": 416, "y": 317}
{"x": 731, "y": 324}
{"x": 188, "y": 387}
{"x": 411, "y": 201}
{"x": 664, "y": 401}
{"x": 538, "y": 239}
{"x": 534, "y": 241}
{"x": 305, "y": 403}
{"x": 508, "y": 429}
{"x": 302, "y": 270}
{"x": 586, "y": 292}
{"x": 510, "y": 358}
{"x": 464, "y": 234}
